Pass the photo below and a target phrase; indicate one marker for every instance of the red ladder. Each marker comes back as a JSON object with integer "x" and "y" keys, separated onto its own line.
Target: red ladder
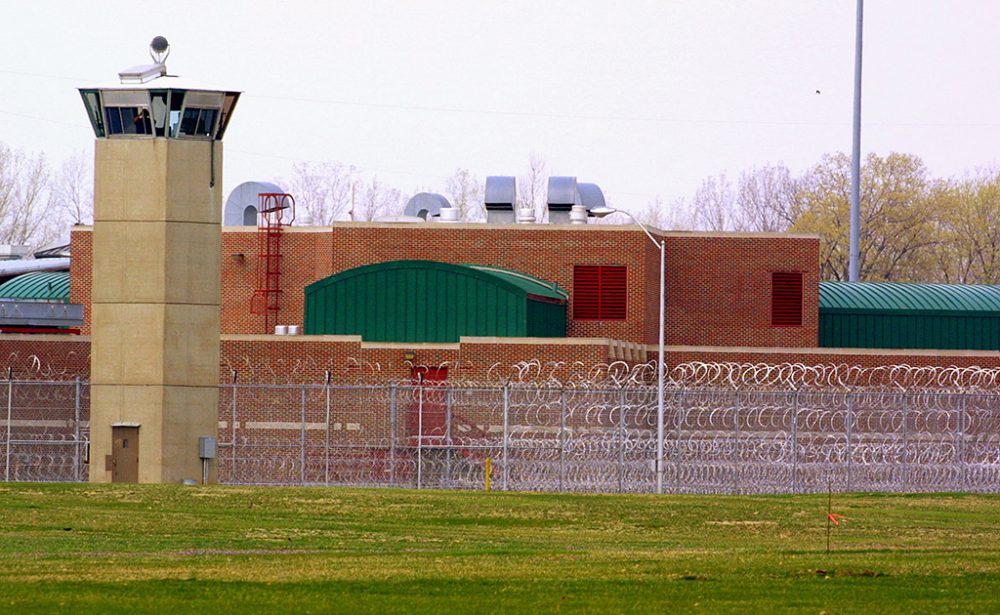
{"x": 276, "y": 211}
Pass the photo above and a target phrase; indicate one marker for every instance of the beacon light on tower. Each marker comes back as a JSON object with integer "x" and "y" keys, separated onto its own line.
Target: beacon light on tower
{"x": 150, "y": 103}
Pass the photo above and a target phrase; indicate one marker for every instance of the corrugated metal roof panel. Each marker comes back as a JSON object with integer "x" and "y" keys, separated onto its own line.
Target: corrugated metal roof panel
{"x": 525, "y": 282}
{"x": 38, "y": 286}
{"x": 898, "y": 298}
{"x": 428, "y": 301}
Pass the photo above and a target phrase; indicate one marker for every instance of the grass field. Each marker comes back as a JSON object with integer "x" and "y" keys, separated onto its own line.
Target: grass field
{"x": 112, "y": 548}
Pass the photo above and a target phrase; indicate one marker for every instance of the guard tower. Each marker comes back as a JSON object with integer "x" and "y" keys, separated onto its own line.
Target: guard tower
{"x": 155, "y": 294}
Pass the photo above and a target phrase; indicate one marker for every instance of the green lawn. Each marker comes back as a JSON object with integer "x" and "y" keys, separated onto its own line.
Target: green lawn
{"x": 90, "y": 548}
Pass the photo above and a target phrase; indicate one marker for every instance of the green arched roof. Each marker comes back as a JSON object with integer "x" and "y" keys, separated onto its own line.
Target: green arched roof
{"x": 430, "y": 301}
{"x": 495, "y": 275}
{"x": 899, "y": 298}
{"x": 37, "y": 286}
{"x": 528, "y": 283}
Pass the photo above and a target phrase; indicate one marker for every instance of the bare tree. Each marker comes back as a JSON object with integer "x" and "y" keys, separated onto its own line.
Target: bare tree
{"x": 532, "y": 187}
{"x": 73, "y": 189}
{"x": 23, "y": 199}
{"x": 666, "y": 217}
{"x": 323, "y": 190}
{"x": 466, "y": 193}
{"x": 377, "y": 199}
{"x": 713, "y": 207}
{"x": 766, "y": 199}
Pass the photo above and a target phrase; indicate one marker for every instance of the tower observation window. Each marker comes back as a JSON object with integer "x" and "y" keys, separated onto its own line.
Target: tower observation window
{"x": 198, "y": 122}
{"x": 128, "y": 120}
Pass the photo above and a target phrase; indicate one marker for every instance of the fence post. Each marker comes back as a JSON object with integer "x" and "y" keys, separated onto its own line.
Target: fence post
{"x": 232, "y": 430}
{"x": 850, "y": 428}
{"x": 76, "y": 429}
{"x": 326, "y": 444}
{"x": 562, "y": 437}
{"x": 795, "y": 443}
{"x": 960, "y": 444}
{"x": 447, "y": 437}
{"x": 420, "y": 430}
{"x": 302, "y": 437}
{"x": 392, "y": 434}
{"x": 506, "y": 433}
{"x": 678, "y": 419}
{"x": 736, "y": 445}
{"x": 906, "y": 441}
{"x": 621, "y": 440}
{"x": 10, "y": 409}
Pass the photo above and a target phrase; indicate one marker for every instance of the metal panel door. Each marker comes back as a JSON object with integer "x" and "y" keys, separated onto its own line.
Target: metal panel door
{"x": 125, "y": 455}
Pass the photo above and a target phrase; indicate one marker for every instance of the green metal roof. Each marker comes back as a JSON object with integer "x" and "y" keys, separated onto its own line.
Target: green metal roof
{"x": 430, "y": 301}
{"x": 528, "y": 283}
{"x": 38, "y": 286}
{"x": 898, "y": 298}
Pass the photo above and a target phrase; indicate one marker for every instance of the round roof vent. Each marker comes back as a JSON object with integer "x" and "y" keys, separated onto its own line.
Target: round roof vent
{"x": 426, "y": 205}
{"x": 241, "y": 206}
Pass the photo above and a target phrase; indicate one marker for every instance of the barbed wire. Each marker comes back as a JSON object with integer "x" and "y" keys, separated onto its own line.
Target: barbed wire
{"x": 308, "y": 369}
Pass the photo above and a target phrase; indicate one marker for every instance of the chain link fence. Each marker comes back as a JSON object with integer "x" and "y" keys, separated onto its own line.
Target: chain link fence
{"x": 723, "y": 434}
{"x": 603, "y": 440}
{"x": 44, "y": 430}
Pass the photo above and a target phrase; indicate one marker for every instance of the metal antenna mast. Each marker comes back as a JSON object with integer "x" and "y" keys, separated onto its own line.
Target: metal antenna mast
{"x": 852, "y": 266}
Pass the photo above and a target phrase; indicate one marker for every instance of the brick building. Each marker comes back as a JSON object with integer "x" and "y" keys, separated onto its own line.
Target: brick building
{"x": 719, "y": 286}
{"x": 721, "y": 299}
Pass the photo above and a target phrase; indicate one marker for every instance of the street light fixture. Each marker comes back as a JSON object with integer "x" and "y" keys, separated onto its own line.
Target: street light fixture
{"x": 600, "y": 212}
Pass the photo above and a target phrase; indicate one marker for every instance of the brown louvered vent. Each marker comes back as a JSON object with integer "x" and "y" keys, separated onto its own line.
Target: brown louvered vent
{"x": 600, "y": 292}
{"x": 786, "y": 298}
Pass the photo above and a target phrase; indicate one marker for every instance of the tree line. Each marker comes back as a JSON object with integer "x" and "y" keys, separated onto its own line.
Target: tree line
{"x": 38, "y": 202}
{"x": 915, "y": 227}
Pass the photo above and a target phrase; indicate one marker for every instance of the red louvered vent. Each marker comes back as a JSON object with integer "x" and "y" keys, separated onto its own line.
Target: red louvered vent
{"x": 600, "y": 292}
{"x": 786, "y": 298}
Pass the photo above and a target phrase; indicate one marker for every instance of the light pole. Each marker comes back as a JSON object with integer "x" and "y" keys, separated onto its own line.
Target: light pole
{"x": 601, "y": 212}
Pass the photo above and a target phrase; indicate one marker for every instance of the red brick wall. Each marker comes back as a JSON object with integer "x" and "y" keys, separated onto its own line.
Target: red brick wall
{"x": 284, "y": 360}
{"x": 718, "y": 285}
{"x": 845, "y": 356}
{"x": 45, "y": 357}
{"x": 306, "y": 257}
{"x": 719, "y": 289}
{"x": 547, "y": 252}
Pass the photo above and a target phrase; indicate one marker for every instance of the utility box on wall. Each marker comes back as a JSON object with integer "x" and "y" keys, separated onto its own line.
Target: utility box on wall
{"x": 207, "y": 447}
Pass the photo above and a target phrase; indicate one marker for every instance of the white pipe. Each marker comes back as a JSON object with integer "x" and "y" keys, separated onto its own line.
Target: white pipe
{"x": 9, "y": 268}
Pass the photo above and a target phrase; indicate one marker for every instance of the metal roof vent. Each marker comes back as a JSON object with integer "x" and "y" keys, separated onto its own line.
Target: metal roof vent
{"x": 563, "y": 195}
{"x": 591, "y": 196}
{"x": 500, "y": 199}
{"x": 426, "y": 205}
{"x": 159, "y": 50}
{"x": 241, "y": 206}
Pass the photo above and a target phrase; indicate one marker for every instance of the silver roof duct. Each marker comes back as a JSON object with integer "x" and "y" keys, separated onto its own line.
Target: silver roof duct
{"x": 562, "y": 196}
{"x": 426, "y": 205}
{"x": 500, "y": 199}
{"x": 591, "y": 196}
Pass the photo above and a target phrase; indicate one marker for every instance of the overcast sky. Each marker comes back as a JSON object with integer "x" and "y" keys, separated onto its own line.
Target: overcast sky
{"x": 642, "y": 98}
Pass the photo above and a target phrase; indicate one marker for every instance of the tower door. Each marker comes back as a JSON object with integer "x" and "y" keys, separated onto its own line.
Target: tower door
{"x": 125, "y": 455}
